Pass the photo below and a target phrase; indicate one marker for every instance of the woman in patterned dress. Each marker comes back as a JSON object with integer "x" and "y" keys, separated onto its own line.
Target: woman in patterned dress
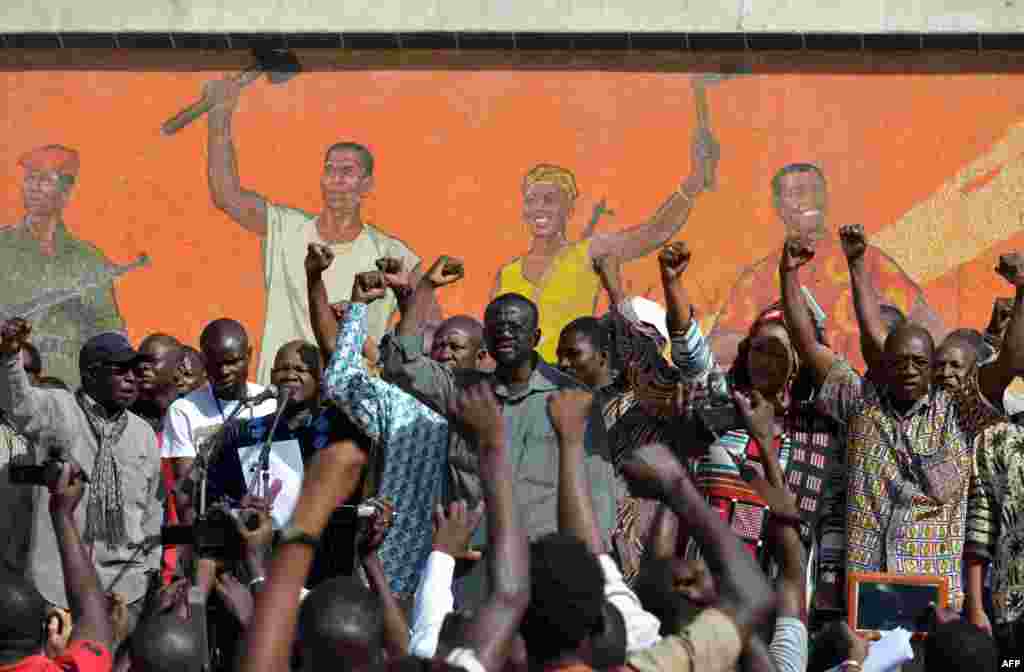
{"x": 808, "y": 444}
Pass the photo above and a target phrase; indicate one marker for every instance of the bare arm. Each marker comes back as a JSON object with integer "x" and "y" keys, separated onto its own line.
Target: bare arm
{"x": 569, "y": 410}
{"x": 815, "y": 354}
{"x": 88, "y": 602}
{"x": 609, "y": 270}
{"x": 245, "y": 207}
{"x": 865, "y": 296}
{"x": 673, "y": 261}
{"x": 333, "y": 475}
{"x": 744, "y": 594}
{"x": 756, "y": 657}
{"x": 396, "y": 630}
{"x": 493, "y": 628}
{"x": 321, "y": 315}
{"x": 667, "y": 221}
{"x": 996, "y": 377}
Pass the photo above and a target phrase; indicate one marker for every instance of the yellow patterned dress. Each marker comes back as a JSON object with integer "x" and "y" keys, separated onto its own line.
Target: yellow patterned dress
{"x": 567, "y": 290}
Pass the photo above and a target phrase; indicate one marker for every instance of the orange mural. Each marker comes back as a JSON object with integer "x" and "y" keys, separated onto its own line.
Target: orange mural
{"x": 937, "y": 185}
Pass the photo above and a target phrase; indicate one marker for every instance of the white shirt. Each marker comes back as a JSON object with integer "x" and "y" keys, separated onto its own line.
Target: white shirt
{"x": 197, "y": 416}
{"x": 434, "y": 601}
{"x": 642, "y": 627}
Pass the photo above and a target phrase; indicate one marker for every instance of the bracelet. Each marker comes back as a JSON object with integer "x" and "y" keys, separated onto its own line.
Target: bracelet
{"x": 257, "y": 581}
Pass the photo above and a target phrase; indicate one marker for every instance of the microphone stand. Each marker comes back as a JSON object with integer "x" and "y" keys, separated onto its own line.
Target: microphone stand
{"x": 282, "y": 403}
{"x": 203, "y": 459}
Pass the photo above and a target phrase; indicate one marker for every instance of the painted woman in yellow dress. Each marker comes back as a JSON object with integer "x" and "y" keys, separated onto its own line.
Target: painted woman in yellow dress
{"x": 557, "y": 274}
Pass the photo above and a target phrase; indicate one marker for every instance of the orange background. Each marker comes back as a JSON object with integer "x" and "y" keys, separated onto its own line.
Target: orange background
{"x": 452, "y": 146}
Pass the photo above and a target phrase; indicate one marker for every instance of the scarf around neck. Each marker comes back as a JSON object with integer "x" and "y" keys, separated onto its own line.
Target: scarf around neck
{"x": 105, "y": 513}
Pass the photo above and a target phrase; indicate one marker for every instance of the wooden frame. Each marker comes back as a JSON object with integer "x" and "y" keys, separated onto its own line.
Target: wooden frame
{"x": 854, "y": 581}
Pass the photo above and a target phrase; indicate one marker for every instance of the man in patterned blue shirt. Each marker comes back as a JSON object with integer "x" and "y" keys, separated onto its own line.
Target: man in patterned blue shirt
{"x": 411, "y": 439}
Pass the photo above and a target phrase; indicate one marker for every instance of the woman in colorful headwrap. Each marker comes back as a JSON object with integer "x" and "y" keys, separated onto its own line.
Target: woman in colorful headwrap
{"x": 808, "y": 444}
{"x": 557, "y": 274}
{"x": 622, "y": 358}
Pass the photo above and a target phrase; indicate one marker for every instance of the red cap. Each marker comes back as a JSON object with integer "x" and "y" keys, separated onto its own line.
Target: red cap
{"x": 51, "y": 157}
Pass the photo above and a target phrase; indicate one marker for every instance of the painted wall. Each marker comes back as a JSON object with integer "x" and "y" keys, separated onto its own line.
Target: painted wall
{"x": 864, "y": 16}
{"x": 931, "y": 165}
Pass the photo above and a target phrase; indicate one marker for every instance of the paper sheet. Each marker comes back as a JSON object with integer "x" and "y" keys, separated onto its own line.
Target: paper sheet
{"x": 285, "y": 469}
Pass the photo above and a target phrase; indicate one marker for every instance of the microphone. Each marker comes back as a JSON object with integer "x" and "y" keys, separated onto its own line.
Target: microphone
{"x": 266, "y": 395}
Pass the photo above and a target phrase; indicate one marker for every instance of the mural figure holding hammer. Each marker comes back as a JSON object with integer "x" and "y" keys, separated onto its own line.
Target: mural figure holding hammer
{"x": 347, "y": 177}
{"x": 557, "y": 274}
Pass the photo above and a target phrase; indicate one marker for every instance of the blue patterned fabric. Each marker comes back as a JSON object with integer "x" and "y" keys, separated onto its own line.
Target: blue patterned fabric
{"x": 412, "y": 441}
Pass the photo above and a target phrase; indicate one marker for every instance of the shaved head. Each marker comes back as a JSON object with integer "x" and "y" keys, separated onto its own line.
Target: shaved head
{"x": 471, "y": 326}
{"x": 907, "y": 331}
{"x": 24, "y": 610}
{"x": 340, "y": 624}
{"x": 458, "y": 343}
{"x": 225, "y": 346}
{"x": 165, "y": 340}
{"x": 221, "y": 331}
{"x": 165, "y": 643}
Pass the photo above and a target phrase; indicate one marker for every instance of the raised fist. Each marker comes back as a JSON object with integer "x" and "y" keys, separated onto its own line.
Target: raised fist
{"x": 674, "y": 259}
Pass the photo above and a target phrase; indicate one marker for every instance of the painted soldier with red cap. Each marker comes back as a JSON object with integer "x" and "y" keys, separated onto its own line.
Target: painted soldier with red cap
{"x": 40, "y": 256}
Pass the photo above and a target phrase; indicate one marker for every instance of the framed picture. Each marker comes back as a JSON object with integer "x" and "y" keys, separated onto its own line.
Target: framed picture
{"x": 878, "y": 602}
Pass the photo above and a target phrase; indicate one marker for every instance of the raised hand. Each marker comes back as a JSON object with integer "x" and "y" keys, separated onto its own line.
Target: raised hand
{"x": 477, "y": 409}
{"x": 58, "y": 632}
{"x": 758, "y": 415}
{"x": 396, "y": 276}
{"x": 120, "y": 619}
{"x": 454, "y": 528}
{"x": 236, "y": 597}
{"x": 569, "y": 410}
{"x": 608, "y": 265}
{"x": 255, "y": 525}
{"x": 445, "y": 271}
{"x": 67, "y": 488}
{"x": 1011, "y": 267}
{"x": 854, "y": 242}
{"x": 377, "y": 527}
{"x": 318, "y": 259}
{"x": 14, "y": 334}
{"x": 796, "y": 252}
{"x": 652, "y": 471}
{"x": 674, "y": 259}
{"x": 368, "y": 287}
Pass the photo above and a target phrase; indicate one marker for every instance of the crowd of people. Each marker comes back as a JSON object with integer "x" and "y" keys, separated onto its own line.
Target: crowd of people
{"x": 459, "y": 502}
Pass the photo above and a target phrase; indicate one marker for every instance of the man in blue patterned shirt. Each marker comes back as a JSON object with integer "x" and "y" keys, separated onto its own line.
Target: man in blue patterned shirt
{"x": 411, "y": 439}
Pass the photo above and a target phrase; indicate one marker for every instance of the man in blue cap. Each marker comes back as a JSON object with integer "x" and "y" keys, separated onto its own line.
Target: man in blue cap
{"x": 116, "y": 450}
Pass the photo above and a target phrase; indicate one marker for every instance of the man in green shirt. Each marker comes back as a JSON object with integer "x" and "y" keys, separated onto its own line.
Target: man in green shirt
{"x": 43, "y": 259}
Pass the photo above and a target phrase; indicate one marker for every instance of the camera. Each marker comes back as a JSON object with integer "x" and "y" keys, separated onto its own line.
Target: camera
{"x": 716, "y": 414}
{"x": 215, "y": 535}
{"x": 36, "y": 474}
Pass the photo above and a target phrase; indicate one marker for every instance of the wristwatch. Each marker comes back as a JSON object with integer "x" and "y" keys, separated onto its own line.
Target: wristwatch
{"x": 294, "y": 535}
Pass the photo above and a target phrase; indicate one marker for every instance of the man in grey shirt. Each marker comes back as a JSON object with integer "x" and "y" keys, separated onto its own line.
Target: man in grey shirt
{"x": 522, "y": 382}
{"x": 117, "y": 451}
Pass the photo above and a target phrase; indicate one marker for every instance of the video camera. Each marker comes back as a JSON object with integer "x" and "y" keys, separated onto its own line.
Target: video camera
{"x": 36, "y": 474}
{"x": 23, "y": 472}
{"x": 716, "y": 413}
{"x": 214, "y": 535}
